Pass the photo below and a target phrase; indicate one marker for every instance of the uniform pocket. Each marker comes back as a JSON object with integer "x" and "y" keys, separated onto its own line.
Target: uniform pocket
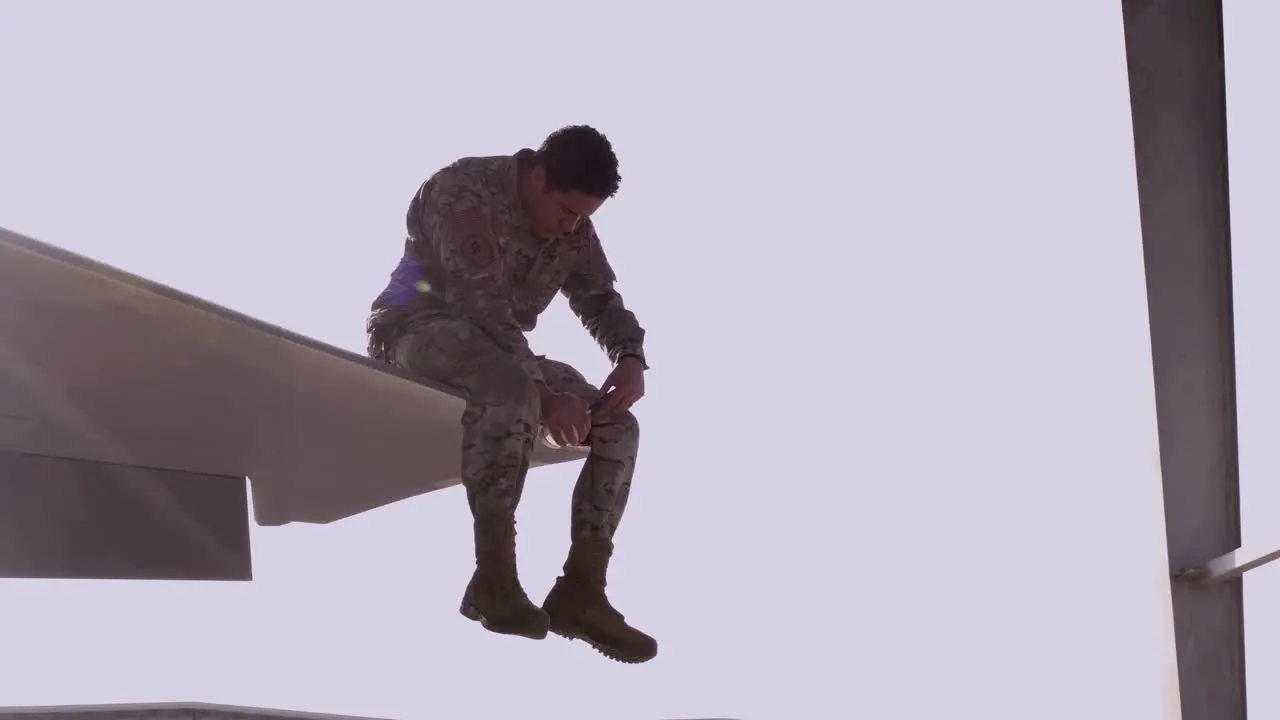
{"x": 436, "y": 350}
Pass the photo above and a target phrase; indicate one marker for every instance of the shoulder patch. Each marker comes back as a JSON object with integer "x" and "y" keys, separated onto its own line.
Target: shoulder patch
{"x": 477, "y": 252}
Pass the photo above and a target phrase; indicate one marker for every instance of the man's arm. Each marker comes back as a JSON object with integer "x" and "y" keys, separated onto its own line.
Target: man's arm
{"x": 457, "y": 226}
{"x": 592, "y": 297}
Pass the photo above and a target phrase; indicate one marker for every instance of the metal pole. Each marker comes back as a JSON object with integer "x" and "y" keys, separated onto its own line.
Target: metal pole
{"x": 1177, "y": 93}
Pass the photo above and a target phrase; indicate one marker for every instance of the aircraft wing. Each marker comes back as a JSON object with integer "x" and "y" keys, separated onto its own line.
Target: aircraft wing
{"x": 114, "y": 376}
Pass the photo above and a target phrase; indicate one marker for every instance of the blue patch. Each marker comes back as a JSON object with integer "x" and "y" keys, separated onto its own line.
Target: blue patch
{"x": 404, "y": 284}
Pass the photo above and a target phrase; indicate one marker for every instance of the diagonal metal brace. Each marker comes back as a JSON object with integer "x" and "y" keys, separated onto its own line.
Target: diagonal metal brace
{"x": 1228, "y": 567}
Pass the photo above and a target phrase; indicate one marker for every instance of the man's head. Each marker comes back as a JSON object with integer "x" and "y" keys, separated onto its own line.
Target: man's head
{"x": 569, "y": 177}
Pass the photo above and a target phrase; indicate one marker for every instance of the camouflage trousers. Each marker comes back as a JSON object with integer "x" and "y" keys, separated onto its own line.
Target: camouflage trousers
{"x": 502, "y": 421}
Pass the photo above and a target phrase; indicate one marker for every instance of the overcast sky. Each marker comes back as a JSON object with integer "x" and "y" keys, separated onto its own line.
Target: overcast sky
{"x": 898, "y": 455}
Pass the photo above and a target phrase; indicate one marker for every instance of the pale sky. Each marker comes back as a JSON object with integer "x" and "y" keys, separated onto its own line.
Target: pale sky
{"x": 898, "y": 456}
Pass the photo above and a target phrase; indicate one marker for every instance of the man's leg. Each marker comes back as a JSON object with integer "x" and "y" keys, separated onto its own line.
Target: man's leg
{"x": 499, "y": 423}
{"x": 577, "y": 604}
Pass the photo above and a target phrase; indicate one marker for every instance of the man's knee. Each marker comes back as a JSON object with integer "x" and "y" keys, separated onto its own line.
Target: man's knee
{"x": 505, "y": 394}
{"x": 619, "y": 429}
{"x": 563, "y": 377}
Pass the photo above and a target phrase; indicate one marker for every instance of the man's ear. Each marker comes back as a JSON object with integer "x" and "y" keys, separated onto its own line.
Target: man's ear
{"x": 538, "y": 178}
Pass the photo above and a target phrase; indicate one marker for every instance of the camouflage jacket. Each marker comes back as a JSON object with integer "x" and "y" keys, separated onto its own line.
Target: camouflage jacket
{"x": 471, "y": 252}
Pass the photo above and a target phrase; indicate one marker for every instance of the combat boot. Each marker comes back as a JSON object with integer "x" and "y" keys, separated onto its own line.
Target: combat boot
{"x": 494, "y": 597}
{"x": 579, "y": 610}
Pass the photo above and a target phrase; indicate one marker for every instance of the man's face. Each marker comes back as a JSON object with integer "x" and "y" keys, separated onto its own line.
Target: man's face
{"x": 555, "y": 213}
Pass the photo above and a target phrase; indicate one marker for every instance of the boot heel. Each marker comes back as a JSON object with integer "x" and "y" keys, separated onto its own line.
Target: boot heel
{"x": 469, "y": 611}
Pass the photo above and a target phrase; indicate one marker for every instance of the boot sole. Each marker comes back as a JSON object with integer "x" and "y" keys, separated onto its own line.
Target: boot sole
{"x": 604, "y": 650}
{"x": 470, "y": 612}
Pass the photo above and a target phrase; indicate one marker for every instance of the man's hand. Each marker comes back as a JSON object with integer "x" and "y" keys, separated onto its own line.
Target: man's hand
{"x": 624, "y": 386}
{"x": 566, "y": 418}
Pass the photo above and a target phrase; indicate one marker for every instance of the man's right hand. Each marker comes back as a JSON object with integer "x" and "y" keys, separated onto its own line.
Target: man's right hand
{"x": 566, "y": 418}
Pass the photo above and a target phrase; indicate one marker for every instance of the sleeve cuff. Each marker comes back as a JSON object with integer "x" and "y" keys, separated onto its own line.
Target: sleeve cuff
{"x": 635, "y": 352}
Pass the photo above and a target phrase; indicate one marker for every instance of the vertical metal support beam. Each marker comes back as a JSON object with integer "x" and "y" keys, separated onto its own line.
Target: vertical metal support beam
{"x": 1177, "y": 93}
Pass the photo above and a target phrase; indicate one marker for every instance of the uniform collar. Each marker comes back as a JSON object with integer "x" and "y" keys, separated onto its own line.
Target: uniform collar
{"x": 517, "y": 162}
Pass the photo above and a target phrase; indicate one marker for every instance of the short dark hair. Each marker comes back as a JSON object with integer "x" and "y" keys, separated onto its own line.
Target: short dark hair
{"x": 580, "y": 158}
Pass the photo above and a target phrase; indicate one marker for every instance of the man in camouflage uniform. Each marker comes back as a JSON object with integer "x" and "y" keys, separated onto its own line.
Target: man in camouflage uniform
{"x": 491, "y": 241}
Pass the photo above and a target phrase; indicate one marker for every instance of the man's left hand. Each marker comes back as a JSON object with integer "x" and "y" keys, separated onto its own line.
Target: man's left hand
{"x": 624, "y": 386}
